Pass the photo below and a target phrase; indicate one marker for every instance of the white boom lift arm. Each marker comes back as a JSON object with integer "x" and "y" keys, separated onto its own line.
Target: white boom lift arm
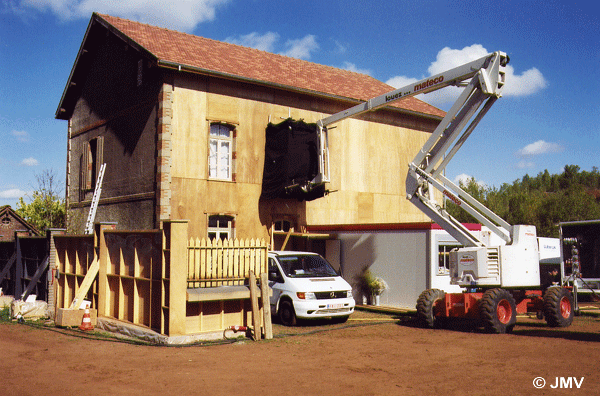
{"x": 487, "y": 77}
{"x": 515, "y": 264}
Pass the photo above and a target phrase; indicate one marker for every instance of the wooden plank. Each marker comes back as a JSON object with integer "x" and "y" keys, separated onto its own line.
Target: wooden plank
{"x": 177, "y": 277}
{"x": 256, "y": 334}
{"x": 287, "y": 238}
{"x": 36, "y": 277}
{"x": 8, "y": 266}
{"x": 241, "y": 292}
{"x": 265, "y": 293}
{"x": 86, "y": 284}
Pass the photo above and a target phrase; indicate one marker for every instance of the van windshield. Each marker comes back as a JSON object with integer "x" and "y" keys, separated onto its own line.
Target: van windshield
{"x": 306, "y": 266}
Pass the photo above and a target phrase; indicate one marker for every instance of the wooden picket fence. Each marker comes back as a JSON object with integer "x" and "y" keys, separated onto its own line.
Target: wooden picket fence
{"x": 213, "y": 263}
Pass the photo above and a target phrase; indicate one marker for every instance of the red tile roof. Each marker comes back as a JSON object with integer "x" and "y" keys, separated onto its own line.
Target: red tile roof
{"x": 237, "y": 61}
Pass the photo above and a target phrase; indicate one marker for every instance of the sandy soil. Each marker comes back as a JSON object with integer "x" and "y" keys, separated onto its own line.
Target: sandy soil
{"x": 371, "y": 354}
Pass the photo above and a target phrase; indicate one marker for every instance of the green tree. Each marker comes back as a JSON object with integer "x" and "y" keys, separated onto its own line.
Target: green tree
{"x": 544, "y": 200}
{"x": 46, "y": 209}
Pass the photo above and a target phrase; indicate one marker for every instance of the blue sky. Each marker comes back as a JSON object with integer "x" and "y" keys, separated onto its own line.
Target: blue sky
{"x": 549, "y": 116}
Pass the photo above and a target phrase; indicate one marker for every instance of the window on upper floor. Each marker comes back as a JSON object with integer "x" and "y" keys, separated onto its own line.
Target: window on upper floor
{"x": 220, "y": 158}
{"x": 221, "y": 227}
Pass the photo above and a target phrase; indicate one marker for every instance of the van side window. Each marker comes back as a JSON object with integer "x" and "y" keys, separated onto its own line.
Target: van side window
{"x": 274, "y": 274}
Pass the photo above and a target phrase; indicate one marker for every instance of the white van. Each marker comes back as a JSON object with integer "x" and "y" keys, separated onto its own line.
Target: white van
{"x": 306, "y": 286}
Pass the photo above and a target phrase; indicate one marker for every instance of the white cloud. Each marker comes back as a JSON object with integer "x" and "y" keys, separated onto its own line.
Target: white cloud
{"x": 177, "y": 14}
{"x": 540, "y": 147}
{"x": 295, "y": 48}
{"x": 524, "y": 164}
{"x": 264, "y": 42}
{"x": 352, "y": 67}
{"x": 464, "y": 179}
{"x": 400, "y": 81}
{"x": 301, "y": 48}
{"x": 528, "y": 83}
{"x": 340, "y": 48}
{"x": 21, "y": 136}
{"x": 30, "y": 162}
{"x": 449, "y": 58}
{"x": 12, "y": 193}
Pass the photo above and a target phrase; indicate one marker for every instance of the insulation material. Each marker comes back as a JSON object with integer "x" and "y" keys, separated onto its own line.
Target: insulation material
{"x": 142, "y": 333}
{"x": 291, "y": 161}
{"x": 29, "y": 309}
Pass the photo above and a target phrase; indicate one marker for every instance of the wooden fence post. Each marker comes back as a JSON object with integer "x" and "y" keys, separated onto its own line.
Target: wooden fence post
{"x": 101, "y": 256}
{"x": 19, "y": 268}
{"x": 256, "y": 333}
{"x": 265, "y": 293}
{"x": 53, "y": 268}
{"x": 178, "y": 268}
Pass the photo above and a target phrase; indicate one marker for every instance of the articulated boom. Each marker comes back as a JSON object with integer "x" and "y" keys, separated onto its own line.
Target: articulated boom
{"x": 487, "y": 78}
{"x": 426, "y": 169}
{"x": 490, "y": 270}
{"x": 477, "y": 264}
{"x": 515, "y": 264}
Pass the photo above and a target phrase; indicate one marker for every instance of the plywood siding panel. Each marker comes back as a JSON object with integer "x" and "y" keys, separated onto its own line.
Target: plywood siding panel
{"x": 368, "y": 163}
{"x": 189, "y": 134}
{"x": 223, "y": 108}
{"x": 250, "y": 141}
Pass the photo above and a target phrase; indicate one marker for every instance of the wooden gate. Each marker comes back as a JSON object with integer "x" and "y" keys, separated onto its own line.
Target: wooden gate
{"x": 224, "y": 262}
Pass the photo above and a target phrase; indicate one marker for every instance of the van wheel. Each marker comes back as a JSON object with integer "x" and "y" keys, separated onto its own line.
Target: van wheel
{"x": 287, "y": 315}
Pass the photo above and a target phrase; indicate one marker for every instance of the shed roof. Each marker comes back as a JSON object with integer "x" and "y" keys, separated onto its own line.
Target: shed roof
{"x": 172, "y": 49}
{"x": 14, "y": 222}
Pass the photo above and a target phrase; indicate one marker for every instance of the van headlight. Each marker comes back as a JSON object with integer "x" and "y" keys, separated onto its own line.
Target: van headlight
{"x": 349, "y": 294}
{"x": 306, "y": 295}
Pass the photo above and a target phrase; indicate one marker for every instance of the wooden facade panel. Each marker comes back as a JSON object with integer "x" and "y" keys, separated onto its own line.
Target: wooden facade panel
{"x": 224, "y": 109}
{"x": 194, "y": 200}
{"x": 368, "y": 164}
{"x": 189, "y": 134}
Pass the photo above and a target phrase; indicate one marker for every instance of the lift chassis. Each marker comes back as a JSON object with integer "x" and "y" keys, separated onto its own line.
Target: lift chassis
{"x": 500, "y": 279}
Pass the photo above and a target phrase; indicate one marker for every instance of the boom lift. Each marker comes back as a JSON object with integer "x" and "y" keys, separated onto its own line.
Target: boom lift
{"x": 501, "y": 280}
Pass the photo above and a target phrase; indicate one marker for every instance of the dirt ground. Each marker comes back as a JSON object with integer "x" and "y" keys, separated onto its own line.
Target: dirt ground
{"x": 371, "y": 354}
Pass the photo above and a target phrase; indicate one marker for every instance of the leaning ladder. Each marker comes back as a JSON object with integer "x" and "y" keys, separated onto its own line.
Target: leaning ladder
{"x": 89, "y": 225}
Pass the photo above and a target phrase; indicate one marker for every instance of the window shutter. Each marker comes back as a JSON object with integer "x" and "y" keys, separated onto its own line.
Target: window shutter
{"x": 86, "y": 170}
{"x": 99, "y": 155}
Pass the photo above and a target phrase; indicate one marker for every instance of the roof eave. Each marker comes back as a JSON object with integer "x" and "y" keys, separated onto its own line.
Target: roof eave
{"x": 61, "y": 110}
{"x": 198, "y": 70}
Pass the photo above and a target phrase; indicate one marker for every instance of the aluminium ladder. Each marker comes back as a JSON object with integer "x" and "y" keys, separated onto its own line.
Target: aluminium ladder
{"x": 89, "y": 225}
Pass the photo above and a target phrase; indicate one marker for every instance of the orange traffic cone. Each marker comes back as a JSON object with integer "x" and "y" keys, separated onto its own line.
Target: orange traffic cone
{"x": 86, "y": 323}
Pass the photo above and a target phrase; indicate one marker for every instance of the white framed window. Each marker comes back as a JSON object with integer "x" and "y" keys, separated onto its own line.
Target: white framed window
{"x": 444, "y": 258}
{"x": 220, "y": 227}
{"x": 220, "y": 158}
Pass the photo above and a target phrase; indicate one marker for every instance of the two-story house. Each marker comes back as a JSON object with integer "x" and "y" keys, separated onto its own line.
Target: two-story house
{"x": 180, "y": 122}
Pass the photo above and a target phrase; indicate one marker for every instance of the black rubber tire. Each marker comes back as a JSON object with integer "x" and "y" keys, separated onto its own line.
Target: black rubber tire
{"x": 286, "y": 313}
{"x": 498, "y": 311}
{"x": 426, "y": 307}
{"x": 558, "y": 307}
